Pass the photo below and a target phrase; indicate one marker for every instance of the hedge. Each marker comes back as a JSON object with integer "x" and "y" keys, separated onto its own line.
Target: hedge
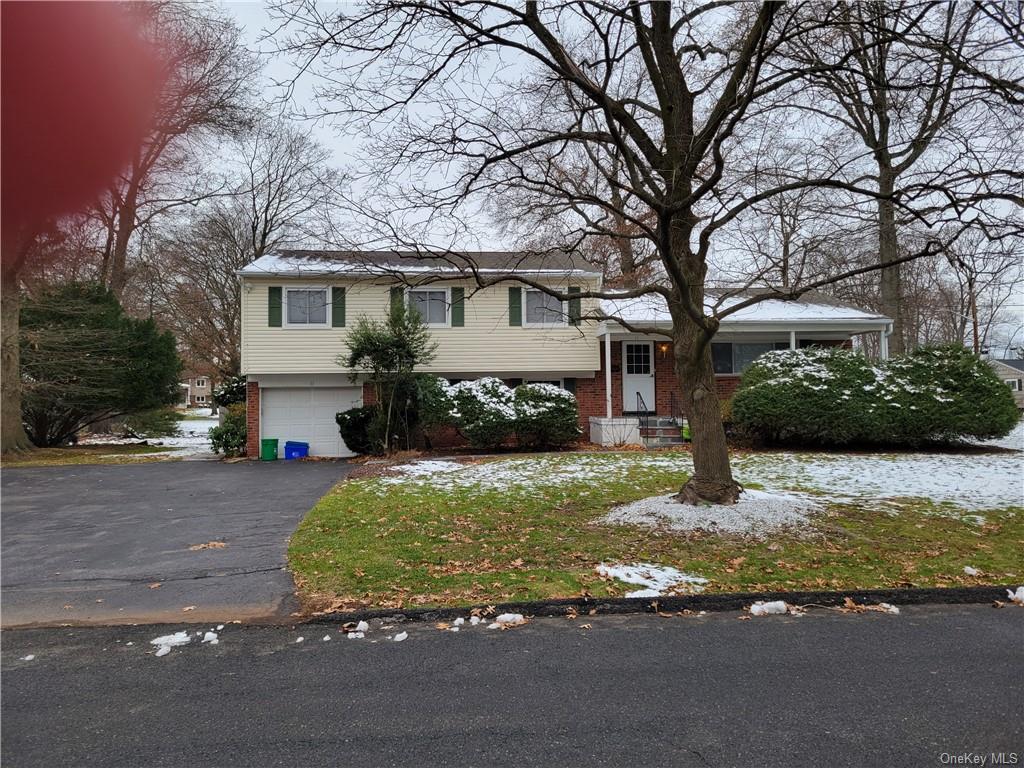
{"x": 834, "y": 397}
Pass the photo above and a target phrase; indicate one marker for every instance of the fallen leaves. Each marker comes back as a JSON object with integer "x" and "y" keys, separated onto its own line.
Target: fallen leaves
{"x": 207, "y": 545}
{"x": 155, "y": 585}
{"x": 188, "y": 608}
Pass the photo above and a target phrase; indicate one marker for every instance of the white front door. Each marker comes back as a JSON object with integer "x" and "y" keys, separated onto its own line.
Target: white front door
{"x": 638, "y": 376}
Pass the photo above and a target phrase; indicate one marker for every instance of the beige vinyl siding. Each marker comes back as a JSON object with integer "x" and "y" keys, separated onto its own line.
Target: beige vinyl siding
{"x": 485, "y": 344}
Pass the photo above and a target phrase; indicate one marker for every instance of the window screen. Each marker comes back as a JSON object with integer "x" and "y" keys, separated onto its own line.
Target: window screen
{"x": 432, "y": 306}
{"x": 307, "y": 306}
{"x": 543, "y": 309}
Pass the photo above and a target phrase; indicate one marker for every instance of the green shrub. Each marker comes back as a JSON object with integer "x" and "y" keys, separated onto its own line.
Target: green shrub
{"x": 834, "y": 397}
{"x": 229, "y": 437}
{"x": 546, "y": 416}
{"x": 354, "y": 425}
{"x": 159, "y": 422}
{"x": 230, "y": 392}
{"x": 483, "y": 410}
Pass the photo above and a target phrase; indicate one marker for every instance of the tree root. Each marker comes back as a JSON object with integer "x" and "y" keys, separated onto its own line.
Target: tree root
{"x": 700, "y": 491}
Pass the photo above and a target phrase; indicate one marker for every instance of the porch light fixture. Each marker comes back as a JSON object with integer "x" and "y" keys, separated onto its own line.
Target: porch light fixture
{"x": 663, "y": 349}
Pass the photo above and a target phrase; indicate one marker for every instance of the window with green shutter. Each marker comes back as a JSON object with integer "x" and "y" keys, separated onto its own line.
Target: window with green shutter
{"x": 337, "y": 307}
{"x": 515, "y": 306}
{"x": 274, "y": 307}
{"x": 575, "y": 306}
{"x": 458, "y": 307}
{"x": 397, "y": 295}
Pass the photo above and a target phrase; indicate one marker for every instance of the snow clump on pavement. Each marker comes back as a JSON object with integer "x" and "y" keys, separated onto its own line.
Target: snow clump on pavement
{"x": 656, "y": 579}
{"x": 211, "y": 638}
{"x": 30, "y": 657}
{"x": 164, "y": 643}
{"x": 362, "y": 626}
{"x": 1016, "y": 597}
{"x": 773, "y": 608}
{"x": 755, "y": 514}
{"x": 400, "y": 637}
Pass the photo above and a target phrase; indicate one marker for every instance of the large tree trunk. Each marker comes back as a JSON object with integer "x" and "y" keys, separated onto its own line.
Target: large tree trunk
{"x": 888, "y": 252}
{"x": 13, "y": 437}
{"x": 712, "y": 480}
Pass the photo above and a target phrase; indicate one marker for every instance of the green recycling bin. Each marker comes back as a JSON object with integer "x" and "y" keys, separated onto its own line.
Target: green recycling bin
{"x": 268, "y": 449}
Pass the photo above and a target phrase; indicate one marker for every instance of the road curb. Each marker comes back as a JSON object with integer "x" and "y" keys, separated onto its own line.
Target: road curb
{"x": 728, "y": 601}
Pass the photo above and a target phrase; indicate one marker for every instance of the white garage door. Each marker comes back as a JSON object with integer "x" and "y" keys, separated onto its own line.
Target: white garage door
{"x": 306, "y": 415}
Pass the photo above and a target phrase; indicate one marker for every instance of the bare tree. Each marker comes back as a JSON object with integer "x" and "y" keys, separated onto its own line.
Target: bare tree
{"x": 282, "y": 195}
{"x": 913, "y": 82}
{"x": 673, "y": 91}
{"x": 206, "y": 93}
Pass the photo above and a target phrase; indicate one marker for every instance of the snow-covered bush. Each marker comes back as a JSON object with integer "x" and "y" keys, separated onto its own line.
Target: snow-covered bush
{"x": 834, "y": 397}
{"x": 489, "y": 413}
{"x": 546, "y": 416}
{"x": 230, "y": 392}
{"x": 482, "y": 410}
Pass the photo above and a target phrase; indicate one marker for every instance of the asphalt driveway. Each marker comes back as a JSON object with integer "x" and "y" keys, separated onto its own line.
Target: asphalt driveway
{"x": 89, "y": 544}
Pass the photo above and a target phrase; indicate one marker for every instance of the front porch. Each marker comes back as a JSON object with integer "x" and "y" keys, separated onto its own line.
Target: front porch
{"x": 635, "y": 398}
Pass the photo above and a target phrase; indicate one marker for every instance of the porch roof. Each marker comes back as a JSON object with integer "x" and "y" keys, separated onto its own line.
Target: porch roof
{"x": 809, "y": 313}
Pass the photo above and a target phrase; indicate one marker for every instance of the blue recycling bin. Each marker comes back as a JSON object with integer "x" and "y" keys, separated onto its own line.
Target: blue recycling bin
{"x": 296, "y": 450}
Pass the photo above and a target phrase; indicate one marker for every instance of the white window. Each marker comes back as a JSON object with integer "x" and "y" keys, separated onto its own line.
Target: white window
{"x": 544, "y": 309}
{"x": 554, "y": 382}
{"x": 306, "y": 307}
{"x": 200, "y": 383}
{"x": 432, "y": 305}
{"x": 1012, "y": 384}
{"x": 200, "y": 398}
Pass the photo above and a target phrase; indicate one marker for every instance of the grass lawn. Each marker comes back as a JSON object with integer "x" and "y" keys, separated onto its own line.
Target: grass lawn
{"x": 85, "y": 454}
{"x": 529, "y": 528}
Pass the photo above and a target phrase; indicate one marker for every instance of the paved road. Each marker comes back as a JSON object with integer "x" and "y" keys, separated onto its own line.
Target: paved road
{"x": 82, "y": 544}
{"x": 823, "y": 690}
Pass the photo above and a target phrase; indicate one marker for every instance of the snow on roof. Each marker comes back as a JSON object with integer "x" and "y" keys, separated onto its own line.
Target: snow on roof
{"x": 652, "y": 309}
{"x": 369, "y": 263}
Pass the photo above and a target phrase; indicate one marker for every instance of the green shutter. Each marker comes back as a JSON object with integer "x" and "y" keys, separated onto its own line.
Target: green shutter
{"x": 337, "y": 307}
{"x": 458, "y": 307}
{"x": 569, "y": 384}
{"x": 515, "y": 306}
{"x": 274, "y": 307}
{"x": 575, "y": 307}
{"x": 396, "y": 295}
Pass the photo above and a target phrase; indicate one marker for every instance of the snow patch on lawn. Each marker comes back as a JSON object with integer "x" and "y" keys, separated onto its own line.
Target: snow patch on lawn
{"x": 656, "y": 579}
{"x": 194, "y": 439}
{"x": 970, "y": 481}
{"x": 529, "y": 473}
{"x": 755, "y": 514}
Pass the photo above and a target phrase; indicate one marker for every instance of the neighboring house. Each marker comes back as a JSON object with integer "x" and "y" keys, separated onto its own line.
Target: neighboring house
{"x": 297, "y": 305}
{"x": 1012, "y": 374}
{"x": 200, "y": 392}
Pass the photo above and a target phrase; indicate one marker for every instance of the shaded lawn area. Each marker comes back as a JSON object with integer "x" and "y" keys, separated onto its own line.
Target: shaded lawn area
{"x": 85, "y": 454}
{"x": 535, "y": 532}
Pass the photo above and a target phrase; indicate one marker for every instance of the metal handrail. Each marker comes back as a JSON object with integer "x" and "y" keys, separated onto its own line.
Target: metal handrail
{"x": 643, "y": 415}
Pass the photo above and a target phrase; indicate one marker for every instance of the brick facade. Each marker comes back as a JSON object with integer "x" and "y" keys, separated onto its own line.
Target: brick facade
{"x": 590, "y": 393}
{"x": 252, "y": 419}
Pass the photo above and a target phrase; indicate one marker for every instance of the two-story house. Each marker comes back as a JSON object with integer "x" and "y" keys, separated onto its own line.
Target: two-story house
{"x": 199, "y": 391}
{"x": 298, "y": 305}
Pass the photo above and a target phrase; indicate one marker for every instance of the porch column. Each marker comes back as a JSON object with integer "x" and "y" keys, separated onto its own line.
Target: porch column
{"x": 792, "y": 339}
{"x": 608, "y": 375}
{"x": 883, "y": 344}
